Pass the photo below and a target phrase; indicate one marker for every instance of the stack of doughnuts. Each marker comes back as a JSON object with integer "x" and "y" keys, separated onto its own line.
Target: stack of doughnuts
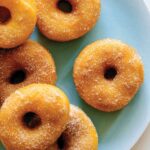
{"x": 39, "y": 115}
{"x": 34, "y": 113}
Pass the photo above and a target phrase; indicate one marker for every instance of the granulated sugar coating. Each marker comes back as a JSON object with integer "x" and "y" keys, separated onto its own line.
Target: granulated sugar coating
{"x": 54, "y": 147}
{"x": 50, "y": 107}
{"x": 80, "y": 133}
{"x": 26, "y": 64}
{"x": 107, "y": 74}
{"x": 20, "y": 24}
{"x": 62, "y": 26}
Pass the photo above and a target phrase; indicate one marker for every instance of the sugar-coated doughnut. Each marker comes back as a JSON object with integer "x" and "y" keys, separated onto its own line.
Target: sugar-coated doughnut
{"x": 107, "y": 74}
{"x": 33, "y": 4}
{"x": 33, "y": 117}
{"x": 53, "y": 147}
{"x": 17, "y": 21}
{"x": 26, "y": 64}
{"x": 80, "y": 133}
{"x": 65, "y": 20}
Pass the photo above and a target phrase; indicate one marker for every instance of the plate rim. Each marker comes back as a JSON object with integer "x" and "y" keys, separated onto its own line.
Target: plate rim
{"x": 147, "y": 8}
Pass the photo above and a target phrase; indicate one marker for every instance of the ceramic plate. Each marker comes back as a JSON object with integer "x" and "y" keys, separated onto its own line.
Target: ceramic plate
{"x": 126, "y": 20}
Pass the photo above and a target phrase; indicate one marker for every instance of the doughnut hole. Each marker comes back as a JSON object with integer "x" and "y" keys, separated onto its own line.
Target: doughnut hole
{"x": 5, "y": 15}
{"x": 31, "y": 120}
{"x": 110, "y": 73}
{"x": 17, "y": 76}
{"x": 61, "y": 142}
{"x": 65, "y": 6}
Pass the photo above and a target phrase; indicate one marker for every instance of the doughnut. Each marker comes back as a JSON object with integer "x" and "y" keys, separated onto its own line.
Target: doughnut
{"x": 65, "y": 20}
{"x": 33, "y": 117}
{"x": 107, "y": 74}
{"x": 80, "y": 133}
{"x": 53, "y": 147}
{"x": 17, "y": 21}
{"x": 26, "y": 64}
{"x": 33, "y": 4}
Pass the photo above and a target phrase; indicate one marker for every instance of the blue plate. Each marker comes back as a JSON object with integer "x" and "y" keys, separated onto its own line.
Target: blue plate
{"x": 126, "y": 20}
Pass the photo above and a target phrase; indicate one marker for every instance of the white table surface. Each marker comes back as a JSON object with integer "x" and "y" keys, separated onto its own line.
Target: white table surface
{"x": 144, "y": 142}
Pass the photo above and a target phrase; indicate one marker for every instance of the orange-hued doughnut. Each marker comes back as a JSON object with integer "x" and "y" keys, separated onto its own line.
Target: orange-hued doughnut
{"x": 67, "y": 25}
{"x": 80, "y": 133}
{"x": 17, "y": 21}
{"x": 107, "y": 74}
{"x": 26, "y": 64}
{"x": 33, "y": 117}
{"x": 53, "y": 147}
{"x": 33, "y": 4}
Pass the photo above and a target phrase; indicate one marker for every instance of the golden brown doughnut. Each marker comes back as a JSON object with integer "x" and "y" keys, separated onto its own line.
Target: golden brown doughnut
{"x": 33, "y": 4}
{"x": 107, "y": 74}
{"x": 33, "y": 117}
{"x": 26, "y": 64}
{"x": 67, "y": 24}
{"x": 80, "y": 133}
{"x": 17, "y": 21}
{"x": 53, "y": 147}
